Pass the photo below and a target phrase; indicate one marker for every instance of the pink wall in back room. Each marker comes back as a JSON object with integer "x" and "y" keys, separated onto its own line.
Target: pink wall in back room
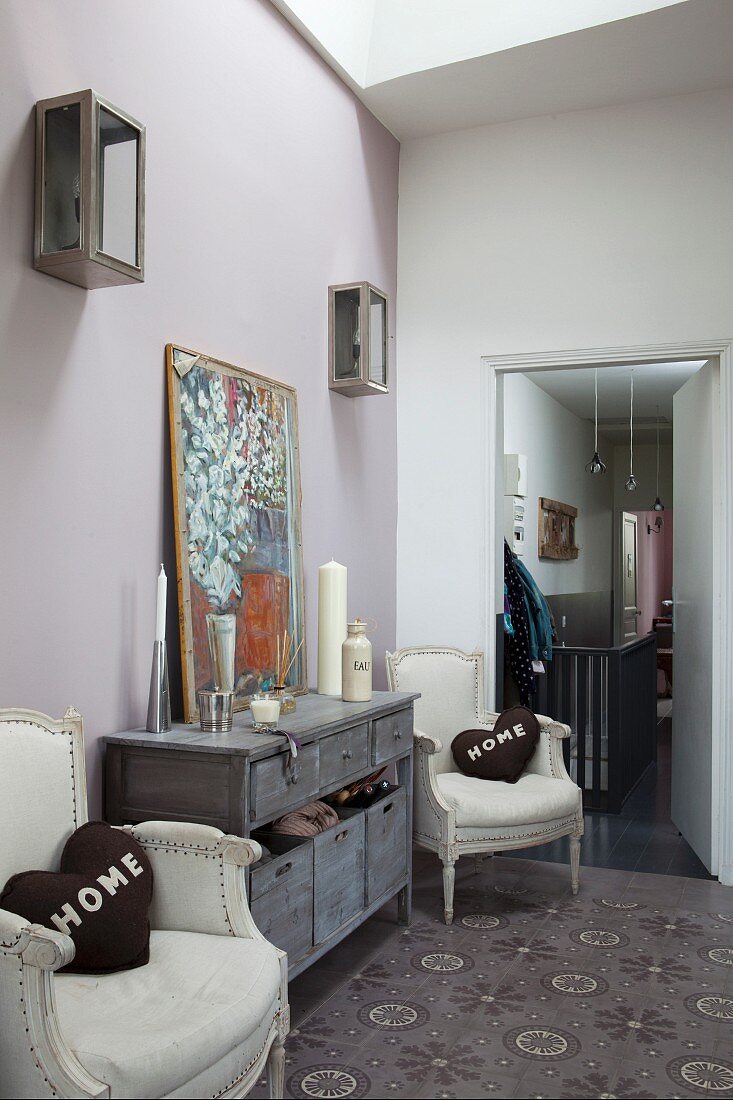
{"x": 654, "y": 567}
{"x": 266, "y": 181}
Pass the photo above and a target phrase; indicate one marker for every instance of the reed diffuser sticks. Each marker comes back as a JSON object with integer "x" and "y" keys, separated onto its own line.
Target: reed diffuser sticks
{"x": 285, "y": 657}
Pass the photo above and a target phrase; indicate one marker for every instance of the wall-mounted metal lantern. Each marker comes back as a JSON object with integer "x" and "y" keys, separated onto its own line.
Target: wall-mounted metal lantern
{"x": 90, "y": 191}
{"x": 357, "y": 339}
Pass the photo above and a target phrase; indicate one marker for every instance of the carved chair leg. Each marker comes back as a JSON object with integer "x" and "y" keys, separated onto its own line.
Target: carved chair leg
{"x": 574, "y": 863}
{"x": 276, "y": 1070}
{"x": 449, "y": 880}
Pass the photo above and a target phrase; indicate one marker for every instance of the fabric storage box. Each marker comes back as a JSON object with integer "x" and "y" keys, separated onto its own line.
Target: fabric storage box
{"x": 281, "y": 893}
{"x": 338, "y": 873}
{"x": 386, "y": 843}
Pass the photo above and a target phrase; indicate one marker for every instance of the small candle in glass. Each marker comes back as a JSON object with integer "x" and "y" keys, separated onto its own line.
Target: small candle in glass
{"x": 265, "y": 711}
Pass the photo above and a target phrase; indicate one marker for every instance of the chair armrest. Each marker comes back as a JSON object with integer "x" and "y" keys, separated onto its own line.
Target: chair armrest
{"x": 433, "y": 817}
{"x": 555, "y": 729}
{"x": 198, "y": 877}
{"x": 34, "y": 1057}
{"x": 36, "y": 945}
{"x": 548, "y": 758}
{"x": 425, "y": 742}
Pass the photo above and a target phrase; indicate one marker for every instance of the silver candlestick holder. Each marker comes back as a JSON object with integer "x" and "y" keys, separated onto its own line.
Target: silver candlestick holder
{"x": 159, "y": 700}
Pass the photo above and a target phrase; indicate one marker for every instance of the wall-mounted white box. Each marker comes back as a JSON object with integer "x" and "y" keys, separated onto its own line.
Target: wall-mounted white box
{"x": 515, "y": 475}
{"x": 514, "y": 523}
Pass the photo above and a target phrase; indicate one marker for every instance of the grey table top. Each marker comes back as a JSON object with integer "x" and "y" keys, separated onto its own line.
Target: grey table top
{"x": 314, "y": 716}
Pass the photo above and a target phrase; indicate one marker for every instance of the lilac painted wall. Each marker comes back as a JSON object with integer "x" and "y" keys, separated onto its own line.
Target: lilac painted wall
{"x": 266, "y": 181}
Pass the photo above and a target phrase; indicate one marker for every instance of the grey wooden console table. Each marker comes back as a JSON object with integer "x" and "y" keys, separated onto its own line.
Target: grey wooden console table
{"x": 312, "y": 892}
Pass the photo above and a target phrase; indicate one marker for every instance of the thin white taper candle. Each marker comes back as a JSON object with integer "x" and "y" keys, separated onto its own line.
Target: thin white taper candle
{"x": 160, "y": 607}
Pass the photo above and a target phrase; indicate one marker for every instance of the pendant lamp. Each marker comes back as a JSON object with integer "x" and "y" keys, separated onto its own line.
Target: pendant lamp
{"x": 631, "y": 485}
{"x": 596, "y": 465}
{"x": 657, "y": 506}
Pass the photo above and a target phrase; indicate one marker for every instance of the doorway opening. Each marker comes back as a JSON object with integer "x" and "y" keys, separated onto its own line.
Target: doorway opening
{"x": 617, "y": 631}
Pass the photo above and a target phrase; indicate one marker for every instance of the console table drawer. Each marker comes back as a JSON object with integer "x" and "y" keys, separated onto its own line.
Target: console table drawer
{"x": 338, "y": 875}
{"x": 343, "y": 753}
{"x": 386, "y": 843}
{"x": 275, "y": 787}
{"x": 281, "y": 894}
{"x": 392, "y": 735}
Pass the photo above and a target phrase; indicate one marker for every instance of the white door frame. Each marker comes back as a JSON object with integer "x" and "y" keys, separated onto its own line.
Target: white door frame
{"x": 494, "y": 366}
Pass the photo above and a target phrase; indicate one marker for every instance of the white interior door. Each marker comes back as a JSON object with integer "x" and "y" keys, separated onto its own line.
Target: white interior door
{"x": 695, "y": 502}
{"x": 626, "y": 587}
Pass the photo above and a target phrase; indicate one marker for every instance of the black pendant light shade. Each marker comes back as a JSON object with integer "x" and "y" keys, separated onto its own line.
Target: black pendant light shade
{"x": 596, "y": 464}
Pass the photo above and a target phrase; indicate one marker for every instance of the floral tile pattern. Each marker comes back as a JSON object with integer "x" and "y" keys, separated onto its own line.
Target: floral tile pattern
{"x": 624, "y": 991}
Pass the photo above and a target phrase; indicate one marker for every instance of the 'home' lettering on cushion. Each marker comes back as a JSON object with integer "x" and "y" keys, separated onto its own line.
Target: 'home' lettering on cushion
{"x": 91, "y": 899}
{"x": 491, "y": 742}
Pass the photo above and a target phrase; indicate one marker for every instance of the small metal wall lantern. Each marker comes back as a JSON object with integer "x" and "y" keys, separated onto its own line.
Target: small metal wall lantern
{"x": 357, "y": 339}
{"x": 90, "y": 191}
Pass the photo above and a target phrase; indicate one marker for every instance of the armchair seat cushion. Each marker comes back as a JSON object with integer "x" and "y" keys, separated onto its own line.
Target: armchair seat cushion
{"x": 146, "y": 1032}
{"x": 490, "y": 804}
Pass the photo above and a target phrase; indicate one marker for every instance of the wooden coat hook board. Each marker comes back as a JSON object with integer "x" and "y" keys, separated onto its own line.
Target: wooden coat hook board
{"x": 556, "y": 530}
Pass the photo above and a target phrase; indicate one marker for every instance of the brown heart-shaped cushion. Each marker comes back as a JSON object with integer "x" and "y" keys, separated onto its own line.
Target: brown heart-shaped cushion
{"x": 100, "y": 898}
{"x": 500, "y": 753}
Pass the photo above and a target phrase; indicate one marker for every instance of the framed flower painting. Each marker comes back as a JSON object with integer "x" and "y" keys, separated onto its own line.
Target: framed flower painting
{"x": 237, "y": 511}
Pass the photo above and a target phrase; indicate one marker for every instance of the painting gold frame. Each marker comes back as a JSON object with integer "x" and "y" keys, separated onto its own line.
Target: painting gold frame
{"x": 258, "y": 572}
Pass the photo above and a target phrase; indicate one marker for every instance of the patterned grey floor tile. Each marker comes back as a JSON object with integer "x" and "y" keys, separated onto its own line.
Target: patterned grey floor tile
{"x": 454, "y": 1067}
{"x": 325, "y": 1078}
{"x": 583, "y": 1078}
{"x": 603, "y": 1025}
{"x": 647, "y": 1081}
{"x": 491, "y": 1084}
{"x": 486, "y": 1009}
{"x": 625, "y": 990}
{"x": 355, "y": 1017}
{"x": 661, "y": 974}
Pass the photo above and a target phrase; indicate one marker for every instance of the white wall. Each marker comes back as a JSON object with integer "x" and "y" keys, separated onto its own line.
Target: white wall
{"x": 558, "y": 445}
{"x": 590, "y": 229}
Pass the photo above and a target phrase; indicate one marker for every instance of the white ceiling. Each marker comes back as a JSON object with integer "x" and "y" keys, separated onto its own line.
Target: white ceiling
{"x": 681, "y": 48}
{"x": 654, "y": 384}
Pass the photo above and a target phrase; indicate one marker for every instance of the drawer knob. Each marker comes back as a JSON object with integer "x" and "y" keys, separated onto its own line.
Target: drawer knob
{"x": 398, "y": 735}
{"x": 347, "y": 754}
{"x": 293, "y": 776}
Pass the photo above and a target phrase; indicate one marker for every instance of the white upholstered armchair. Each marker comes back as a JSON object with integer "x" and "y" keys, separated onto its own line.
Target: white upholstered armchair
{"x": 456, "y": 814}
{"x": 202, "y": 1018}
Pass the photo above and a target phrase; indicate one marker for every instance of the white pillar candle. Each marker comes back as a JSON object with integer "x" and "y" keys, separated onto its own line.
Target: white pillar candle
{"x": 331, "y": 626}
{"x": 160, "y": 609}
